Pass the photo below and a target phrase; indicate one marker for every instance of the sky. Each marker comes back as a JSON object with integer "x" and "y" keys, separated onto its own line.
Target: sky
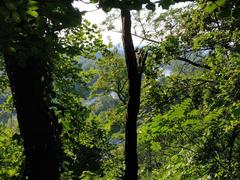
{"x": 97, "y": 17}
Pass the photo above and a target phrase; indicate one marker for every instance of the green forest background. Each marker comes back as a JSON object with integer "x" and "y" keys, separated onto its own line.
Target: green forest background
{"x": 189, "y": 119}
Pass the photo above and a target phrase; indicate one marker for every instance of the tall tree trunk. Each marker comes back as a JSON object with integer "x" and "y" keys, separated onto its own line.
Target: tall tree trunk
{"x": 134, "y": 77}
{"x": 29, "y": 80}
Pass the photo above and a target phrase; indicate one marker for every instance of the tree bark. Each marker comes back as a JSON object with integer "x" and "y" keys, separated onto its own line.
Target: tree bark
{"x": 134, "y": 78}
{"x": 29, "y": 81}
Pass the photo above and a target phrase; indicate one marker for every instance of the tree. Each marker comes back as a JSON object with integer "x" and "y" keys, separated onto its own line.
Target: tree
{"x": 28, "y": 43}
{"x": 134, "y": 78}
{"x": 134, "y": 69}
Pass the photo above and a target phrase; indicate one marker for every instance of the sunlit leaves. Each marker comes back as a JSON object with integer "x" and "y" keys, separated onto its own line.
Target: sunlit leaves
{"x": 11, "y": 154}
{"x": 205, "y": 129}
{"x": 210, "y": 7}
{"x": 33, "y": 6}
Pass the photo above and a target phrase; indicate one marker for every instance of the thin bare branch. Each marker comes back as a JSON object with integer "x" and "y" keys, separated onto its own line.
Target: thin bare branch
{"x": 193, "y": 63}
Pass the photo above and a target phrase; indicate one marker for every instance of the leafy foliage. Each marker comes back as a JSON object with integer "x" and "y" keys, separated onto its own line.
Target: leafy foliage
{"x": 11, "y": 157}
{"x": 189, "y": 118}
{"x": 192, "y": 130}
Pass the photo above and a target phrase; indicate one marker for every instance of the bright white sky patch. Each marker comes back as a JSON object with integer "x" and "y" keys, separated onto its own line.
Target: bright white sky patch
{"x": 97, "y": 16}
{"x": 94, "y": 15}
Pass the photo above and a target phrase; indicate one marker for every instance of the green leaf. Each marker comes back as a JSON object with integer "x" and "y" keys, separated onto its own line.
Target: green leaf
{"x": 151, "y": 6}
{"x": 210, "y": 7}
{"x": 11, "y": 49}
{"x": 33, "y": 8}
{"x": 220, "y": 2}
{"x": 33, "y": 3}
{"x": 236, "y": 112}
{"x": 155, "y": 146}
{"x": 11, "y": 172}
{"x": 33, "y": 13}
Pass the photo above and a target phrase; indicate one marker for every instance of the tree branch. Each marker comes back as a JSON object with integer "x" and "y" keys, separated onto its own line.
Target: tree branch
{"x": 194, "y": 63}
{"x": 143, "y": 62}
{"x": 119, "y": 92}
{"x": 145, "y": 38}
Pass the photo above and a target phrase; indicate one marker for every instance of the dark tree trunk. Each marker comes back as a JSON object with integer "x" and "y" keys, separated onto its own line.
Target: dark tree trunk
{"x": 29, "y": 81}
{"x": 134, "y": 77}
